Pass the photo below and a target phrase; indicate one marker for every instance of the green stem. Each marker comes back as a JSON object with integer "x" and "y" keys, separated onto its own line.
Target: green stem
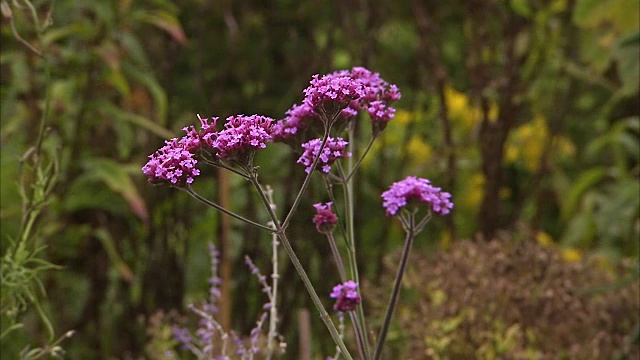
{"x": 336, "y": 256}
{"x": 197, "y": 196}
{"x": 300, "y": 269}
{"x": 396, "y": 286}
{"x": 307, "y": 179}
{"x": 357, "y": 165}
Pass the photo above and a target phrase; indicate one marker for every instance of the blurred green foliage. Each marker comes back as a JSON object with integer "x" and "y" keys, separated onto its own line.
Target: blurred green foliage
{"x": 560, "y": 78}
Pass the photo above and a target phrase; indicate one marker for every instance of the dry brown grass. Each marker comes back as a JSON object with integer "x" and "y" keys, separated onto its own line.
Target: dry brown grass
{"x": 509, "y": 300}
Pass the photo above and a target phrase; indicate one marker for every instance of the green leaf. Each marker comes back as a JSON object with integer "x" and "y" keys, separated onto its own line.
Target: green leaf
{"x": 627, "y": 57}
{"x": 77, "y": 30}
{"x": 122, "y": 115}
{"x": 163, "y": 20}
{"x": 585, "y": 181}
{"x": 150, "y": 82}
{"x": 521, "y": 7}
{"x": 109, "y": 247}
{"x": 117, "y": 179}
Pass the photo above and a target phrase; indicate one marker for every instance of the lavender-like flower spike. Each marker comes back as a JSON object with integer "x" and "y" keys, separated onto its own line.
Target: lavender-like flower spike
{"x": 334, "y": 149}
{"x": 346, "y": 295}
{"x": 417, "y": 189}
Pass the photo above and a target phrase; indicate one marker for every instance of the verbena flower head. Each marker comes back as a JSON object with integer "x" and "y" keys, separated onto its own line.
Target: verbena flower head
{"x": 332, "y": 92}
{"x": 173, "y": 163}
{"x": 325, "y": 220}
{"x": 416, "y": 189}
{"x": 333, "y": 150}
{"x": 346, "y": 295}
{"x": 242, "y": 136}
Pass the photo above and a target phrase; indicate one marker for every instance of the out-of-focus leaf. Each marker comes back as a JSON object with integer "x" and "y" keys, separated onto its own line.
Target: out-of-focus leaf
{"x": 158, "y": 93}
{"x": 109, "y": 247}
{"x": 78, "y": 30}
{"x": 116, "y": 79}
{"x": 163, "y": 20}
{"x": 617, "y": 137}
{"x": 580, "y": 231}
{"x": 134, "y": 49}
{"x": 521, "y": 7}
{"x": 627, "y": 56}
{"x": 122, "y": 115}
{"x": 117, "y": 179}
{"x": 588, "y": 12}
{"x": 586, "y": 180}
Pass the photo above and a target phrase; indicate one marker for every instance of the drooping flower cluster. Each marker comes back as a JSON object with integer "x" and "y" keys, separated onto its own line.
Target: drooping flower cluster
{"x": 325, "y": 220}
{"x": 346, "y": 295}
{"x": 173, "y": 163}
{"x": 334, "y": 149}
{"x": 416, "y": 189}
{"x": 242, "y": 136}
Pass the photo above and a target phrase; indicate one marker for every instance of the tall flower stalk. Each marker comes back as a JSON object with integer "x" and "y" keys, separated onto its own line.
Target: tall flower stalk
{"x": 315, "y": 130}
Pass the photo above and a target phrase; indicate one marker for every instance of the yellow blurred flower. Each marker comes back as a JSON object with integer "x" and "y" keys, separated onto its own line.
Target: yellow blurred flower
{"x": 571, "y": 254}
{"x": 403, "y": 117}
{"x": 544, "y": 239}
{"x": 471, "y": 196}
{"x": 526, "y": 143}
{"x": 418, "y": 150}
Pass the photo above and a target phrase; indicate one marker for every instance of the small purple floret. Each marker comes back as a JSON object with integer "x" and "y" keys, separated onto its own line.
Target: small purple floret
{"x": 334, "y": 149}
{"x": 242, "y": 136}
{"x": 325, "y": 220}
{"x": 346, "y": 295}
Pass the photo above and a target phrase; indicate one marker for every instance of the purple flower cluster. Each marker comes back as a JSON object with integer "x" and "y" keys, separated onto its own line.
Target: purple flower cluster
{"x": 332, "y": 91}
{"x": 412, "y": 188}
{"x": 325, "y": 219}
{"x": 346, "y": 295}
{"x": 291, "y": 129}
{"x": 349, "y": 91}
{"x": 173, "y": 163}
{"x": 241, "y": 136}
{"x": 334, "y": 149}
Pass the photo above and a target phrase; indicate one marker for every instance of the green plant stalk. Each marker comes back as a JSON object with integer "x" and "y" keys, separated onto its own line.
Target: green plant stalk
{"x": 349, "y": 206}
{"x": 327, "y": 128}
{"x": 275, "y": 275}
{"x": 410, "y": 229}
{"x": 300, "y": 269}
{"x": 336, "y": 256}
{"x": 197, "y": 196}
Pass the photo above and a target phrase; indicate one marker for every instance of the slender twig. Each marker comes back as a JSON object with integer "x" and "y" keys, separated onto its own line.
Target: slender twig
{"x": 300, "y": 269}
{"x": 396, "y": 286}
{"x": 275, "y": 275}
{"x": 307, "y": 179}
{"x": 366, "y": 151}
{"x": 336, "y": 256}
{"x": 197, "y": 196}
{"x": 225, "y": 166}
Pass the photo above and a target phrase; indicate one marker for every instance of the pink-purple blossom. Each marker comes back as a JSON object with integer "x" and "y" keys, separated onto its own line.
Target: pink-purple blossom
{"x": 332, "y": 91}
{"x": 416, "y": 189}
{"x": 173, "y": 163}
{"x": 325, "y": 220}
{"x": 291, "y": 130}
{"x": 242, "y": 136}
{"x": 333, "y": 150}
{"x": 346, "y": 295}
